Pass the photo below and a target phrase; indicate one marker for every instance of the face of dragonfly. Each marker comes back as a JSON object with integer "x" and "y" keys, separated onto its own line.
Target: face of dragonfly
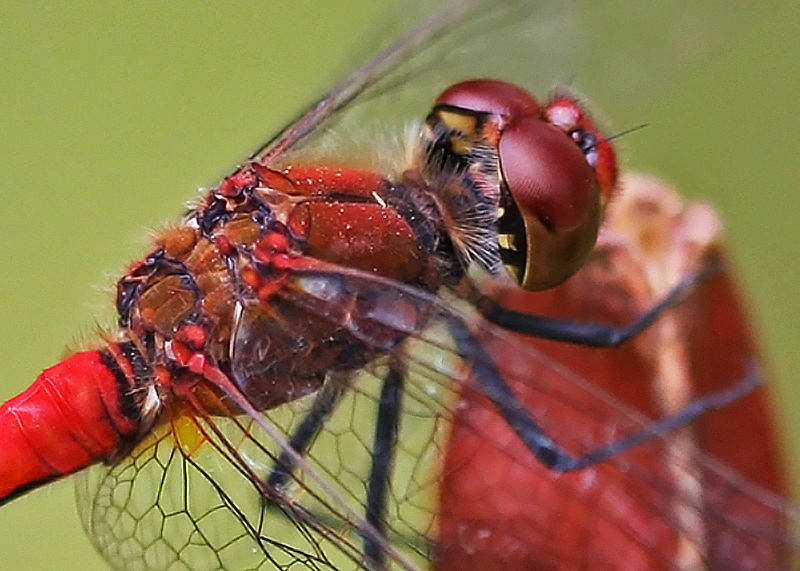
{"x": 544, "y": 75}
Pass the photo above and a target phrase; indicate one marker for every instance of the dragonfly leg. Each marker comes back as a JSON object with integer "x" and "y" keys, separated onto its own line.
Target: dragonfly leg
{"x": 691, "y": 411}
{"x": 591, "y": 334}
{"x": 495, "y": 388}
{"x": 324, "y": 403}
{"x": 383, "y": 448}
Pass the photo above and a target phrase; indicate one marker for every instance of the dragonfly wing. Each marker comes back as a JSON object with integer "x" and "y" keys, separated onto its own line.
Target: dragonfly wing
{"x": 457, "y": 468}
{"x": 211, "y": 508}
{"x": 463, "y": 483}
{"x": 455, "y": 41}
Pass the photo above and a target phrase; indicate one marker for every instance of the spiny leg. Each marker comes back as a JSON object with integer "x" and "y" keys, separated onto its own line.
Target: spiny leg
{"x": 383, "y": 453}
{"x": 591, "y": 334}
{"x": 324, "y": 403}
{"x": 500, "y": 394}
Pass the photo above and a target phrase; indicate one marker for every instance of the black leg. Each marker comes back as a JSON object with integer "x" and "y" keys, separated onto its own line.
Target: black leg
{"x": 383, "y": 450}
{"x": 543, "y": 447}
{"x": 592, "y": 334}
{"x": 304, "y": 435}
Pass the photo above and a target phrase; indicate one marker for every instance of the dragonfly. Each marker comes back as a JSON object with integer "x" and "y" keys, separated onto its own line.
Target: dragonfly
{"x": 280, "y": 503}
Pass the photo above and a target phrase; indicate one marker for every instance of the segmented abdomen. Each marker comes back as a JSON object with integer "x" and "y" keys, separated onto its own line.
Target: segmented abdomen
{"x": 78, "y": 412}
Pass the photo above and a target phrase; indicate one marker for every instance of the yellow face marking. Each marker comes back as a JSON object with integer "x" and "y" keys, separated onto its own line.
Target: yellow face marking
{"x": 461, "y": 122}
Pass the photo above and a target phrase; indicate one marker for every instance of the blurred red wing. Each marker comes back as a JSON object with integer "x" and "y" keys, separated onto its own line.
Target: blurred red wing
{"x": 664, "y": 504}
{"x": 463, "y": 490}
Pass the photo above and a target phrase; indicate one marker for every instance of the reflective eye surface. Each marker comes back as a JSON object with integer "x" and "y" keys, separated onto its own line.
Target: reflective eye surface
{"x": 557, "y": 170}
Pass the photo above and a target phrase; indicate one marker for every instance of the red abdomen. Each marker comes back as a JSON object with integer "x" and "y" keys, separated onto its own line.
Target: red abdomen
{"x": 72, "y": 416}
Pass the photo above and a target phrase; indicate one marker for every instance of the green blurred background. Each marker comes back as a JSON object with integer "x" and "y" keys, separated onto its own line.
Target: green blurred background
{"x": 113, "y": 113}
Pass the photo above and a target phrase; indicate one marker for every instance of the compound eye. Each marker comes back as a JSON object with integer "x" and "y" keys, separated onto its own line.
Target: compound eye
{"x": 557, "y": 170}
{"x": 568, "y": 115}
{"x": 557, "y": 195}
{"x": 503, "y": 101}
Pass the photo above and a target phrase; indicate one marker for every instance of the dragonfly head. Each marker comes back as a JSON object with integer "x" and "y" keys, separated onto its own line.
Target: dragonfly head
{"x": 555, "y": 173}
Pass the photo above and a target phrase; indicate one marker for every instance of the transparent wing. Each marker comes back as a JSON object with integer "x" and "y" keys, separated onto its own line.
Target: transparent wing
{"x": 463, "y": 489}
{"x": 454, "y": 41}
{"x": 539, "y": 45}
{"x": 194, "y": 495}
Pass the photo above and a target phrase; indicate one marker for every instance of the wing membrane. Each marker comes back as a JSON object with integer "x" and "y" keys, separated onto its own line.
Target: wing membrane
{"x": 209, "y": 472}
{"x": 660, "y": 493}
{"x": 470, "y": 38}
